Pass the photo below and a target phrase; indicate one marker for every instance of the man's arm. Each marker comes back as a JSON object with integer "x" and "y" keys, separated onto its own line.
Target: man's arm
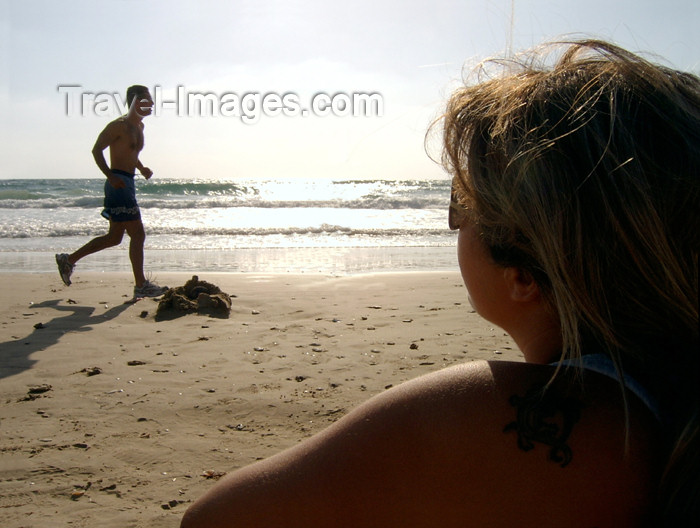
{"x": 107, "y": 137}
{"x": 145, "y": 171}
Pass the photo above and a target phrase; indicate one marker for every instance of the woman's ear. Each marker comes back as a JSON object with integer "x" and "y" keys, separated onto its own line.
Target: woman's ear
{"x": 521, "y": 285}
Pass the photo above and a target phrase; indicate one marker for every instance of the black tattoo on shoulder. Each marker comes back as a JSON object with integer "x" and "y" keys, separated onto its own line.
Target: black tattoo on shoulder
{"x": 546, "y": 417}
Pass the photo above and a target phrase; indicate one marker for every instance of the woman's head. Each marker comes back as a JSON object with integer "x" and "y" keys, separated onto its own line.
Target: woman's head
{"x": 585, "y": 174}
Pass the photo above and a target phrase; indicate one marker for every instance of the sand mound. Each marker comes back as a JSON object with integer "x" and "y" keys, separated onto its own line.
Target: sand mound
{"x": 194, "y": 296}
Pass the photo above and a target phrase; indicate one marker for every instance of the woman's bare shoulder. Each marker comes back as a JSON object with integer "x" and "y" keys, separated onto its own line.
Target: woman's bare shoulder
{"x": 470, "y": 445}
{"x": 501, "y": 429}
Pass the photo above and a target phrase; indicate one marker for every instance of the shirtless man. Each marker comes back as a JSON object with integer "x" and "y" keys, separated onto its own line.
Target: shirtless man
{"x": 124, "y": 137}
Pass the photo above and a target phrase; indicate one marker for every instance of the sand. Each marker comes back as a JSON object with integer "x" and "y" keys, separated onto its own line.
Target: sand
{"x": 111, "y": 418}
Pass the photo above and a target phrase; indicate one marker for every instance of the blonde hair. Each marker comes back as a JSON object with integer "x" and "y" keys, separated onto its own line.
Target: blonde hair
{"x": 585, "y": 173}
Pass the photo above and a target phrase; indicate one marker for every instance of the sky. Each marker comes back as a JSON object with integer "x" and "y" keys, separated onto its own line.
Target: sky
{"x": 62, "y": 62}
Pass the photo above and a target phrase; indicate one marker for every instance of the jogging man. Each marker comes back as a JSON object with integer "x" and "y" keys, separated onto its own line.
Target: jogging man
{"x": 124, "y": 137}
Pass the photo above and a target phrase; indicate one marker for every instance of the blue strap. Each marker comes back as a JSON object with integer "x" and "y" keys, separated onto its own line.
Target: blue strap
{"x": 602, "y": 364}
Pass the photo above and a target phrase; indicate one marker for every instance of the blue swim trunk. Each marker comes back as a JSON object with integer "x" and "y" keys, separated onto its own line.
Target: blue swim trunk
{"x": 120, "y": 204}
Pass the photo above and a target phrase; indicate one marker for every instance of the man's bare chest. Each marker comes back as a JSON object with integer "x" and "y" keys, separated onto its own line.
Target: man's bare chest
{"x": 132, "y": 139}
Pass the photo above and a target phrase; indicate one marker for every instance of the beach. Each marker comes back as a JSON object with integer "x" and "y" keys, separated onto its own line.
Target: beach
{"x": 113, "y": 418}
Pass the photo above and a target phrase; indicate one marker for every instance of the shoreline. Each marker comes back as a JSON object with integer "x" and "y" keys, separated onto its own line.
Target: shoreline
{"x": 305, "y": 260}
{"x": 176, "y": 403}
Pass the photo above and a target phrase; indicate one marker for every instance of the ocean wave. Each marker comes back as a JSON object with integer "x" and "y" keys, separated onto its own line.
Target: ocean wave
{"x": 322, "y": 230}
{"x": 280, "y": 194}
{"x": 91, "y": 202}
{"x": 20, "y": 195}
{"x": 84, "y": 202}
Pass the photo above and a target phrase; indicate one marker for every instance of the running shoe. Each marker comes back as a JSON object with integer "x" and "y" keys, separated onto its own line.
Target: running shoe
{"x": 149, "y": 289}
{"x": 65, "y": 268}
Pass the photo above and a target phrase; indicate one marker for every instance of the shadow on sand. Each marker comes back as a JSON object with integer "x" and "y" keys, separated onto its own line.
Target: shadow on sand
{"x": 15, "y": 354}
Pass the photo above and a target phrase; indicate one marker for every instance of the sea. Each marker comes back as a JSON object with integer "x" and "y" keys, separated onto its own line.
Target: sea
{"x": 322, "y": 225}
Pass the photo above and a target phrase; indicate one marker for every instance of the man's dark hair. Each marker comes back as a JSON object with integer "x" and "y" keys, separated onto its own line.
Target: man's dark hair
{"x": 133, "y": 91}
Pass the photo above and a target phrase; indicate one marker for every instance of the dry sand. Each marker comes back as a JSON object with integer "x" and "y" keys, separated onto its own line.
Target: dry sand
{"x": 113, "y": 419}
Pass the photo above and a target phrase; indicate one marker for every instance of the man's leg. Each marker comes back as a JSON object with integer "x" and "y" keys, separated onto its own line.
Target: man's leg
{"x": 112, "y": 238}
{"x": 137, "y": 235}
{"x": 143, "y": 288}
{"x": 66, "y": 262}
